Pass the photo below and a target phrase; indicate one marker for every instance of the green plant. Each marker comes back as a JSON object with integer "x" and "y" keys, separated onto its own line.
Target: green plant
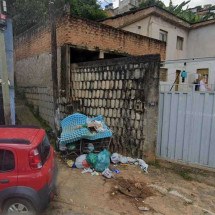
{"x": 185, "y": 175}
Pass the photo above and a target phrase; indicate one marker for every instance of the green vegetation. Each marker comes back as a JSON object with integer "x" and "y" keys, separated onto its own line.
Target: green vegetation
{"x": 148, "y": 3}
{"x": 155, "y": 163}
{"x": 88, "y": 9}
{"x": 27, "y": 13}
{"x": 36, "y": 114}
{"x": 185, "y": 174}
{"x": 179, "y": 10}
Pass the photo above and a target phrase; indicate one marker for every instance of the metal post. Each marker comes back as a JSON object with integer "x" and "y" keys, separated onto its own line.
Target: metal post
{"x": 4, "y": 77}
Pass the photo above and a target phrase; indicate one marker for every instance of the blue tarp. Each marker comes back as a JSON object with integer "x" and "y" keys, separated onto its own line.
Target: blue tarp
{"x": 73, "y": 131}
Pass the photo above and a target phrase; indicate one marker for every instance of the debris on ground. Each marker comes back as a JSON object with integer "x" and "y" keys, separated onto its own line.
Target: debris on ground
{"x": 117, "y": 158}
{"x": 165, "y": 191}
{"x": 143, "y": 208}
{"x": 160, "y": 189}
{"x": 177, "y": 194}
{"x": 89, "y": 170}
{"x": 70, "y": 163}
{"x": 107, "y": 173}
{"x": 100, "y": 161}
{"x": 132, "y": 189}
{"x": 81, "y": 162}
{"x": 77, "y": 139}
{"x": 94, "y": 173}
{"x": 78, "y": 126}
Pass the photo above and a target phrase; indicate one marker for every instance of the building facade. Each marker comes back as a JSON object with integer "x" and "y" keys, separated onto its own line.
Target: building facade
{"x": 189, "y": 47}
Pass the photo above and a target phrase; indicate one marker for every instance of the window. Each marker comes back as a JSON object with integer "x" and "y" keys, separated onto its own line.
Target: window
{"x": 163, "y": 74}
{"x": 203, "y": 73}
{"x": 163, "y": 35}
{"x": 179, "y": 44}
{"x": 44, "y": 149}
{"x": 7, "y": 161}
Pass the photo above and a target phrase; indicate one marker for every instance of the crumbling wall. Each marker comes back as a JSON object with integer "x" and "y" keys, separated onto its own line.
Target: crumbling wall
{"x": 88, "y": 35}
{"x": 125, "y": 91}
{"x": 33, "y": 54}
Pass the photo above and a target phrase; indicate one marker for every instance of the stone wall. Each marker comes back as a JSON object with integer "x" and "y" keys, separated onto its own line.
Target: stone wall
{"x": 126, "y": 92}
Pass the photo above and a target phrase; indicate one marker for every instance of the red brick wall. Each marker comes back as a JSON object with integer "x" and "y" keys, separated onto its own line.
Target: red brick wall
{"x": 87, "y": 34}
{"x": 33, "y": 42}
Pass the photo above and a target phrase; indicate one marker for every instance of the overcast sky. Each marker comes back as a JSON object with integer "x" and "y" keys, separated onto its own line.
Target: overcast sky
{"x": 193, "y": 3}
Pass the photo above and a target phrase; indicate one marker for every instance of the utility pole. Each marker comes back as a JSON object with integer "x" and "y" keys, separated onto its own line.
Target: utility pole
{"x": 54, "y": 63}
{"x": 3, "y": 65}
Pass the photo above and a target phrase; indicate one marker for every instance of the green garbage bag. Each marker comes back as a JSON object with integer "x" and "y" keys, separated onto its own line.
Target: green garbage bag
{"x": 92, "y": 159}
{"x": 100, "y": 161}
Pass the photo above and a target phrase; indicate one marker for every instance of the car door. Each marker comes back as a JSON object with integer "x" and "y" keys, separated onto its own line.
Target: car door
{"x": 8, "y": 168}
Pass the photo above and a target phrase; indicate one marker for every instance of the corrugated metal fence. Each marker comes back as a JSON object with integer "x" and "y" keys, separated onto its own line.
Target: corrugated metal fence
{"x": 187, "y": 127}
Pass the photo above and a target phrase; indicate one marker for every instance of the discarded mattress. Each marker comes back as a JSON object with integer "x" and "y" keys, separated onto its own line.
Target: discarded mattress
{"x": 77, "y": 126}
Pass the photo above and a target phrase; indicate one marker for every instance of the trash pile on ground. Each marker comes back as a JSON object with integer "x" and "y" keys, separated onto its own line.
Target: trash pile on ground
{"x": 78, "y": 126}
{"x": 96, "y": 163}
{"x": 95, "y": 157}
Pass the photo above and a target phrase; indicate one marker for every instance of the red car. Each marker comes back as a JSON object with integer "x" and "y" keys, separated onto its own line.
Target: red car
{"x": 27, "y": 170}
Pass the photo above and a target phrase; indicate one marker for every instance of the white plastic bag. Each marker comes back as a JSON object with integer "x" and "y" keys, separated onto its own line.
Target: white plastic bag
{"x": 143, "y": 165}
{"x": 123, "y": 159}
{"x": 115, "y": 158}
{"x": 81, "y": 162}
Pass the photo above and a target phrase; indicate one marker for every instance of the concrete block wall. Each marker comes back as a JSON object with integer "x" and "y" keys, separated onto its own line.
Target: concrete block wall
{"x": 41, "y": 98}
{"x": 125, "y": 92}
{"x": 34, "y": 79}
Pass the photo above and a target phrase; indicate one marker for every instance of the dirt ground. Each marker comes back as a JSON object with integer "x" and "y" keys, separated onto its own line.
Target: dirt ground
{"x": 163, "y": 191}
{"x": 94, "y": 195}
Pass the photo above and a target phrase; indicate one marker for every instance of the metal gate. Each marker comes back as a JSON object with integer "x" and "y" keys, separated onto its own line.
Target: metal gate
{"x": 2, "y": 122}
{"x": 187, "y": 127}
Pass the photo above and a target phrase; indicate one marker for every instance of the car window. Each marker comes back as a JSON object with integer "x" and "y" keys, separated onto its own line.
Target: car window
{"x": 44, "y": 149}
{"x": 7, "y": 161}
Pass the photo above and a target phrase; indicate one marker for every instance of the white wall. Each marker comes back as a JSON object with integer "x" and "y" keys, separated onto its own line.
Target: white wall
{"x": 198, "y": 43}
{"x": 191, "y": 67}
{"x": 151, "y": 26}
{"x": 201, "y": 42}
{"x": 173, "y": 31}
{"x": 145, "y": 25}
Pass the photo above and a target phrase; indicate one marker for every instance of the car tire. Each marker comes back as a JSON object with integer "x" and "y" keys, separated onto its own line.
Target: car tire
{"x": 18, "y": 206}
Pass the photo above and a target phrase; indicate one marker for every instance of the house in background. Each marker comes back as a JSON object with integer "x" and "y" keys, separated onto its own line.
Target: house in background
{"x": 126, "y": 5}
{"x": 206, "y": 10}
{"x": 189, "y": 47}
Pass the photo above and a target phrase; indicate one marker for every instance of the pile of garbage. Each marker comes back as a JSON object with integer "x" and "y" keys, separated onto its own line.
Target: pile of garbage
{"x": 78, "y": 126}
{"x": 100, "y": 163}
